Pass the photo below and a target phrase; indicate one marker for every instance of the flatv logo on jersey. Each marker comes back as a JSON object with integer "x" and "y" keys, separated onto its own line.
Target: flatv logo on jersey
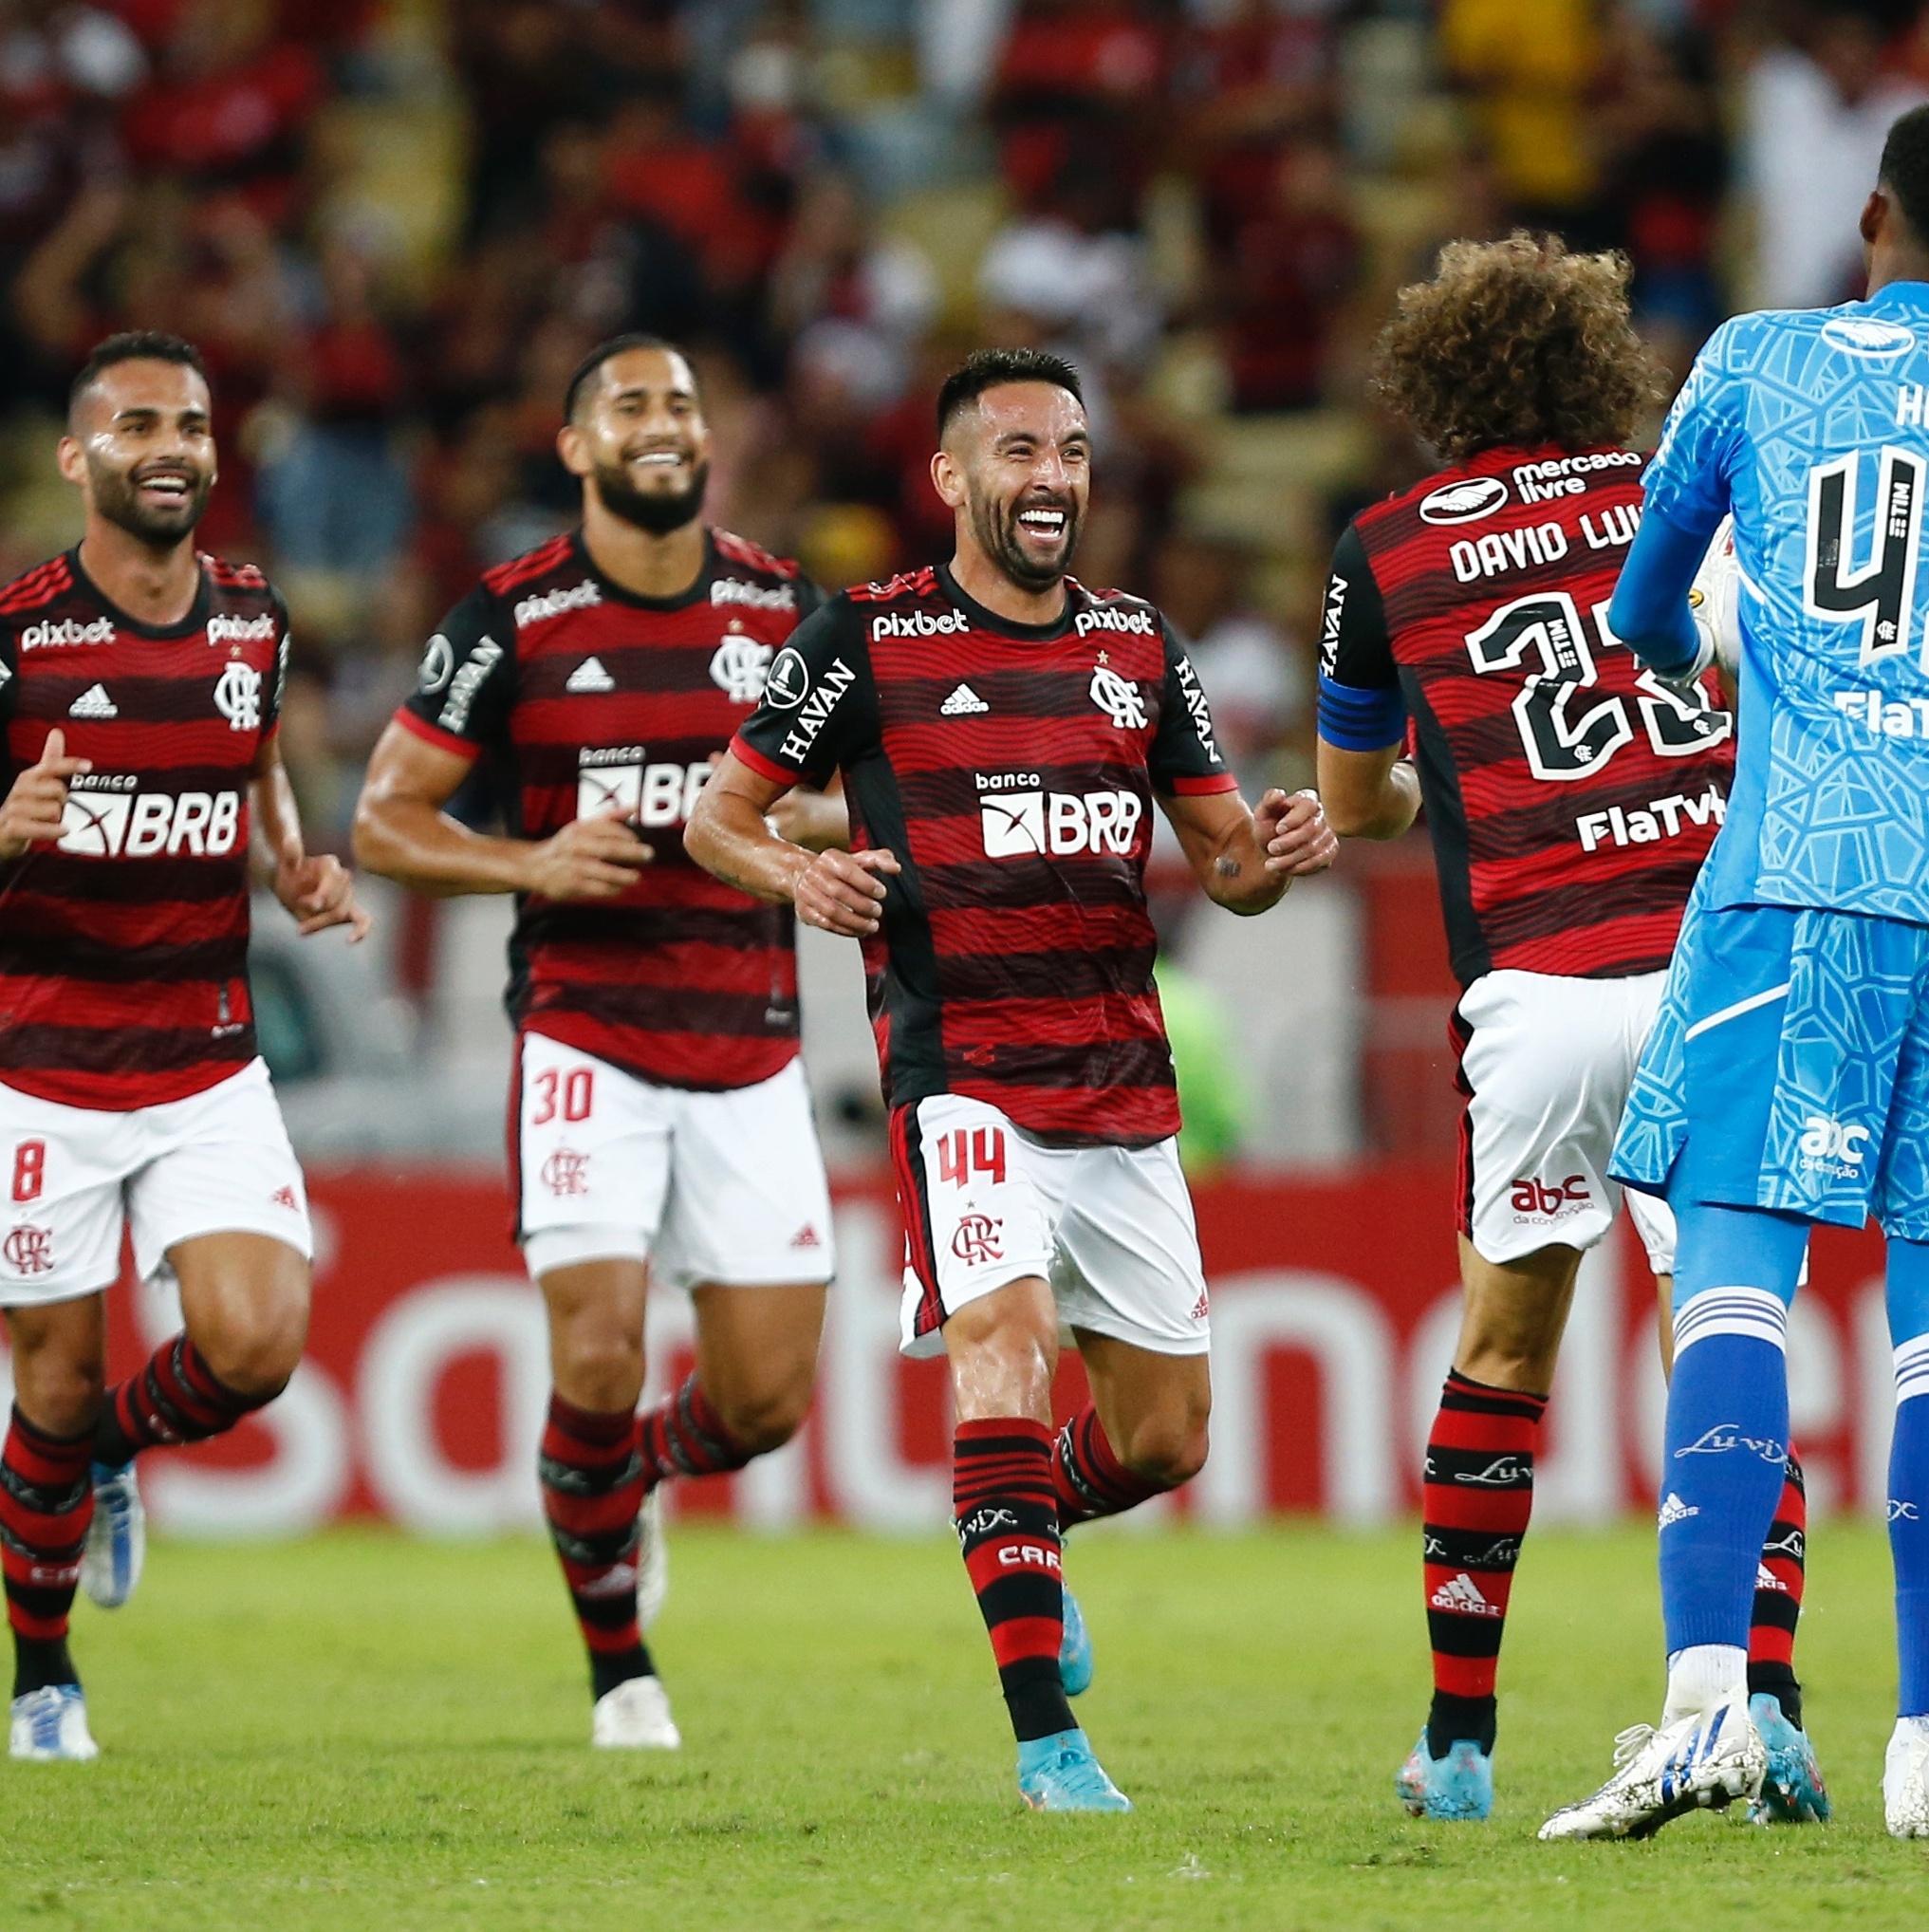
{"x": 466, "y": 682}
{"x": 1020, "y": 823}
{"x": 739, "y": 667}
{"x": 241, "y": 630}
{"x": 57, "y": 631}
{"x": 105, "y": 818}
{"x": 1466, "y": 501}
{"x": 238, "y": 696}
{"x": 1119, "y": 699}
{"x": 549, "y": 604}
{"x": 1864, "y": 335}
{"x": 754, "y": 596}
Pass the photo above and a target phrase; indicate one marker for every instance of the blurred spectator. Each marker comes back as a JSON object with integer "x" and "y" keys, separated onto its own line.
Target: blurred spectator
{"x": 1290, "y": 272}
{"x": 1815, "y": 113}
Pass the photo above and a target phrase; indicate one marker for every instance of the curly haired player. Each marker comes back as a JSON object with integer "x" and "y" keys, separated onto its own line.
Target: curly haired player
{"x": 1572, "y": 797}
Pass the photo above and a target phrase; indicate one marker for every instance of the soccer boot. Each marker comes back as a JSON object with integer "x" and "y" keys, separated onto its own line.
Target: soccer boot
{"x": 1905, "y": 1779}
{"x": 50, "y": 1726}
{"x": 1456, "y": 1789}
{"x": 1059, "y": 1773}
{"x": 634, "y": 1716}
{"x": 653, "y": 1560}
{"x": 1704, "y": 1762}
{"x": 117, "y": 1538}
{"x": 1792, "y": 1791}
{"x": 1075, "y": 1650}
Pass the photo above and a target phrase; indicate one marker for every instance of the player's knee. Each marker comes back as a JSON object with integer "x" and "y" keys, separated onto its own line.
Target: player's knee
{"x": 61, "y": 1397}
{"x": 1168, "y": 1449}
{"x": 255, "y": 1345}
{"x": 596, "y": 1368}
{"x": 766, "y": 1419}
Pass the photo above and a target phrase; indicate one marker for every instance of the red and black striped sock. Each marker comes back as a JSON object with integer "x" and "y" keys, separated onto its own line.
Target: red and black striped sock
{"x": 1778, "y": 1598}
{"x": 46, "y": 1502}
{"x": 592, "y": 1477}
{"x": 1006, "y": 1523}
{"x": 1088, "y": 1477}
{"x": 1479, "y": 1493}
{"x": 175, "y": 1398}
{"x": 685, "y": 1435}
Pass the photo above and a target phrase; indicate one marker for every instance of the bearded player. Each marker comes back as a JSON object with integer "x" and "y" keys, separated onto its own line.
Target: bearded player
{"x": 1571, "y": 798}
{"x": 1002, "y": 732}
{"x": 140, "y": 689}
{"x": 660, "y": 1124}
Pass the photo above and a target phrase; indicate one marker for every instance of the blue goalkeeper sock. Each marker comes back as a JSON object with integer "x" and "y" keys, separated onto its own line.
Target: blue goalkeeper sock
{"x": 1908, "y": 1295}
{"x": 1726, "y": 1436}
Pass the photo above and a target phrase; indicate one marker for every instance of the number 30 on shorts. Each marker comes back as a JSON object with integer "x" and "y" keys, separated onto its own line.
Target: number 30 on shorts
{"x": 29, "y": 1169}
{"x": 577, "y": 1090}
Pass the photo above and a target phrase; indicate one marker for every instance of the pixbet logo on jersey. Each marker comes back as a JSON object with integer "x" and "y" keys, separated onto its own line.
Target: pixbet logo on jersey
{"x": 57, "y": 631}
{"x": 241, "y": 630}
{"x": 1023, "y": 824}
{"x": 105, "y": 818}
{"x": 1105, "y": 618}
{"x": 549, "y": 604}
{"x": 916, "y": 623}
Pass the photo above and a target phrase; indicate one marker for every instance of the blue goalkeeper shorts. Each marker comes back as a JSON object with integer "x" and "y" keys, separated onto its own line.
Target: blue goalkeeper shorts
{"x": 1789, "y": 1069}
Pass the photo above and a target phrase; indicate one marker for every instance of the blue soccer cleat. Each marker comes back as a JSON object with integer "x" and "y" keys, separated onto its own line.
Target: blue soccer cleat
{"x": 117, "y": 1538}
{"x": 50, "y": 1726}
{"x": 1456, "y": 1789}
{"x": 1075, "y": 1650}
{"x": 1792, "y": 1791}
{"x": 1059, "y": 1773}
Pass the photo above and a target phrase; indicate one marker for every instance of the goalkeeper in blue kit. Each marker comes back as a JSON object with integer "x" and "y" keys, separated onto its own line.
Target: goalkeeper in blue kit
{"x": 1785, "y": 1082}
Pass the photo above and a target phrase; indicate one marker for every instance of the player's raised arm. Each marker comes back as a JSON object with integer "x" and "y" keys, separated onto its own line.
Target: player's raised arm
{"x": 729, "y": 834}
{"x": 319, "y": 890}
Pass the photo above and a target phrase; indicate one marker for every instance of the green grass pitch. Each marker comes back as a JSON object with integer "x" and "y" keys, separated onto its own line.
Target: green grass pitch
{"x": 361, "y": 1732}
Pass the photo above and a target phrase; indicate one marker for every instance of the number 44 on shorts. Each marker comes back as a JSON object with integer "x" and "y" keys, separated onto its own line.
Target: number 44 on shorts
{"x": 965, "y": 1151}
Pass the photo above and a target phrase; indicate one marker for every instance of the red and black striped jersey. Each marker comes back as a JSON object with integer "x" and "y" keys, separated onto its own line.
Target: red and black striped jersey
{"x": 1570, "y": 794}
{"x": 587, "y": 697}
{"x": 1010, "y": 769}
{"x": 123, "y": 949}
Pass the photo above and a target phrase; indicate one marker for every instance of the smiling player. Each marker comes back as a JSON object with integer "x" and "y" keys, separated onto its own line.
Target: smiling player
{"x": 140, "y": 692}
{"x": 1003, "y": 732}
{"x": 660, "y": 1122}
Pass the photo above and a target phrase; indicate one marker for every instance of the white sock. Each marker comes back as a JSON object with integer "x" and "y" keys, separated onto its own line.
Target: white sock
{"x": 1703, "y": 1676}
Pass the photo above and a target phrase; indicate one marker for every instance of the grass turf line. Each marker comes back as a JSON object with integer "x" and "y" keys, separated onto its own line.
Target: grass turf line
{"x": 363, "y": 1732}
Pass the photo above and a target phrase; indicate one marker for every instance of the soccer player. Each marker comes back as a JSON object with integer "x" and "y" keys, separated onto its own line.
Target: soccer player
{"x": 1571, "y": 798}
{"x": 1787, "y": 1080}
{"x": 660, "y": 1124}
{"x": 1002, "y": 732}
{"x": 141, "y": 687}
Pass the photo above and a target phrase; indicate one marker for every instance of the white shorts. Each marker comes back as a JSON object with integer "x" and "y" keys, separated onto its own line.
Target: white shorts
{"x": 985, "y": 1203}
{"x": 707, "y": 1187}
{"x": 72, "y": 1177}
{"x": 1546, "y": 1063}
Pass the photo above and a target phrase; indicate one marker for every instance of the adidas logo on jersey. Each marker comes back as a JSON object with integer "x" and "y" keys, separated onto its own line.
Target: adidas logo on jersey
{"x": 1764, "y": 1578}
{"x": 589, "y": 676}
{"x": 963, "y": 703}
{"x": 1675, "y": 1510}
{"x": 94, "y": 703}
{"x": 806, "y": 1236}
{"x": 1462, "y": 1593}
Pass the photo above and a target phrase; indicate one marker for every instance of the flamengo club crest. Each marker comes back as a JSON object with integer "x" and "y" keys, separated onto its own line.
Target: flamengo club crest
{"x": 1118, "y": 698}
{"x": 739, "y": 668}
{"x": 237, "y": 696}
{"x": 29, "y": 1251}
{"x": 565, "y": 1172}
{"x": 979, "y": 1239}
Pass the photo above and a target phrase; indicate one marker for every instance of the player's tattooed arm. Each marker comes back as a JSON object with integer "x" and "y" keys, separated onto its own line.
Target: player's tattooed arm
{"x": 730, "y": 836}
{"x": 35, "y": 803}
{"x": 402, "y": 833}
{"x": 1245, "y": 860}
{"x": 1368, "y": 794}
{"x": 317, "y": 889}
